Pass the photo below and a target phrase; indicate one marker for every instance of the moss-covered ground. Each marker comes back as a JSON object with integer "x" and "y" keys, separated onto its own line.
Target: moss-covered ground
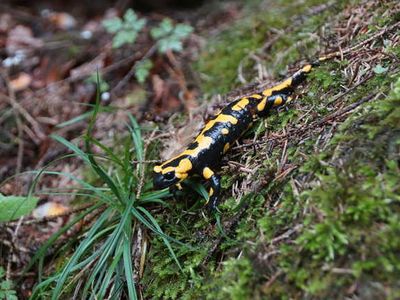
{"x": 311, "y": 208}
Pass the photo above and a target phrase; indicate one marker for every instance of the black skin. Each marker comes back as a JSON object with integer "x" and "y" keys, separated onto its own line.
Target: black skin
{"x": 211, "y": 156}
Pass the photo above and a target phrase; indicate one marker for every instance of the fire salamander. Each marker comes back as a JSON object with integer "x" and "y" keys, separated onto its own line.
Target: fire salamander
{"x": 203, "y": 155}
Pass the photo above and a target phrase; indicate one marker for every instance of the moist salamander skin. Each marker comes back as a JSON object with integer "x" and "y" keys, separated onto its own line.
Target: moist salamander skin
{"x": 204, "y": 154}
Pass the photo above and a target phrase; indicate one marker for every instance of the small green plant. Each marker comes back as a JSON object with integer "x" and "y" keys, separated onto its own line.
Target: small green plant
{"x": 379, "y": 69}
{"x": 103, "y": 85}
{"x": 126, "y": 29}
{"x": 169, "y": 37}
{"x": 142, "y": 70}
{"x": 101, "y": 264}
{"x": 6, "y": 288}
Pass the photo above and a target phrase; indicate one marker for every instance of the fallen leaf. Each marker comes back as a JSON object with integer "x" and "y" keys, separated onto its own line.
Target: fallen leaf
{"x": 21, "y": 82}
{"x": 6, "y": 22}
{"x": 49, "y": 209}
{"x": 164, "y": 95}
{"x": 21, "y": 38}
{"x": 182, "y": 137}
{"x": 62, "y": 20}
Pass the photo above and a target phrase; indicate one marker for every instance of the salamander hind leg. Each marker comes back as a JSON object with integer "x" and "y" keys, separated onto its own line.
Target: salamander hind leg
{"x": 215, "y": 188}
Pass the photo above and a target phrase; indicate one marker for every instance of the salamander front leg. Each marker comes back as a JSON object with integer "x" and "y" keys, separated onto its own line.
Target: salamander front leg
{"x": 215, "y": 188}
{"x": 174, "y": 189}
{"x": 214, "y": 192}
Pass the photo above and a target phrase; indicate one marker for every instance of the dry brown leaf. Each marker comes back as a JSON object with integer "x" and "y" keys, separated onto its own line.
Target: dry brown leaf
{"x": 62, "y": 20}
{"x": 21, "y": 38}
{"x": 182, "y": 137}
{"x": 6, "y": 22}
{"x": 21, "y": 82}
{"x": 49, "y": 209}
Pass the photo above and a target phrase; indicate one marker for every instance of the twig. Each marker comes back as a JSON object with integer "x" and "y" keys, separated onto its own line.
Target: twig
{"x": 372, "y": 37}
{"x": 228, "y": 230}
{"x": 145, "y": 161}
{"x": 14, "y": 237}
{"x": 351, "y": 89}
{"x": 35, "y": 125}
{"x": 267, "y": 285}
{"x": 141, "y": 167}
{"x": 286, "y": 234}
{"x": 102, "y": 71}
{"x": 342, "y": 111}
{"x": 14, "y": 105}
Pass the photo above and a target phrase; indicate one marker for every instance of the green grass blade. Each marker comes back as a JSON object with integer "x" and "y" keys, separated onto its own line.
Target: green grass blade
{"x": 198, "y": 188}
{"x": 87, "y": 242}
{"x": 71, "y": 147}
{"x": 165, "y": 240}
{"x": 75, "y": 120}
{"x": 92, "y": 162}
{"x": 109, "y": 246}
{"x": 127, "y": 246}
{"x": 136, "y": 137}
{"x": 107, "y": 150}
{"x": 155, "y": 195}
{"x": 137, "y": 215}
{"x": 85, "y": 116}
{"x": 104, "y": 284}
{"x": 97, "y": 191}
{"x": 41, "y": 252}
{"x": 157, "y": 201}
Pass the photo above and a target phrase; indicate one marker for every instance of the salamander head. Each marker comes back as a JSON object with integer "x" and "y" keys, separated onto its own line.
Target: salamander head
{"x": 171, "y": 172}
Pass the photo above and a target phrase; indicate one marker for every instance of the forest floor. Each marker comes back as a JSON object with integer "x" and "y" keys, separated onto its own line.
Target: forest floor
{"x": 311, "y": 195}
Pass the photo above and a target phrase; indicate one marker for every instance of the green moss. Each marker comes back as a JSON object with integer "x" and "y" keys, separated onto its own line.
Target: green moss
{"x": 354, "y": 210}
{"x": 220, "y": 60}
{"x": 343, "y": 199}
{"x": 233, "y": 282}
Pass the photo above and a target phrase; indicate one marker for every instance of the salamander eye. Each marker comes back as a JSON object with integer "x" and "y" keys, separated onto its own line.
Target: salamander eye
{"x": 169, "y": 175}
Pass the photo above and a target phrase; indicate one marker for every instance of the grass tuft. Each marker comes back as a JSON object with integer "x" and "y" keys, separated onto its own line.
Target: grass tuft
{"x": 101, "y": 265}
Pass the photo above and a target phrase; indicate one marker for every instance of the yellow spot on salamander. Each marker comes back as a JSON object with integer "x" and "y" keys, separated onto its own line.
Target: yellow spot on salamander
{"x": 256, "y": 96}
{"x": 207, "y": 173}
{"x": 241, "y": 104}
{"x": 226, "y": 147}
{"x": 283, "y": 85}
{"x": 278, "y": 101}
{"x": 307, "y": 68}
{"x": 203, "y": 143}
{"x": 179, "y": 186}
{"x": 221, "y": 118}
{"x": 182, "y": 169}
{"x": 323, "y": 58}
{"x": 224, "y": 131}
{"x": 261, "y": 105}
{"x": 181, "y": 176}
{"x": 167, "y": 170}
{"x": 211, "y": 192}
